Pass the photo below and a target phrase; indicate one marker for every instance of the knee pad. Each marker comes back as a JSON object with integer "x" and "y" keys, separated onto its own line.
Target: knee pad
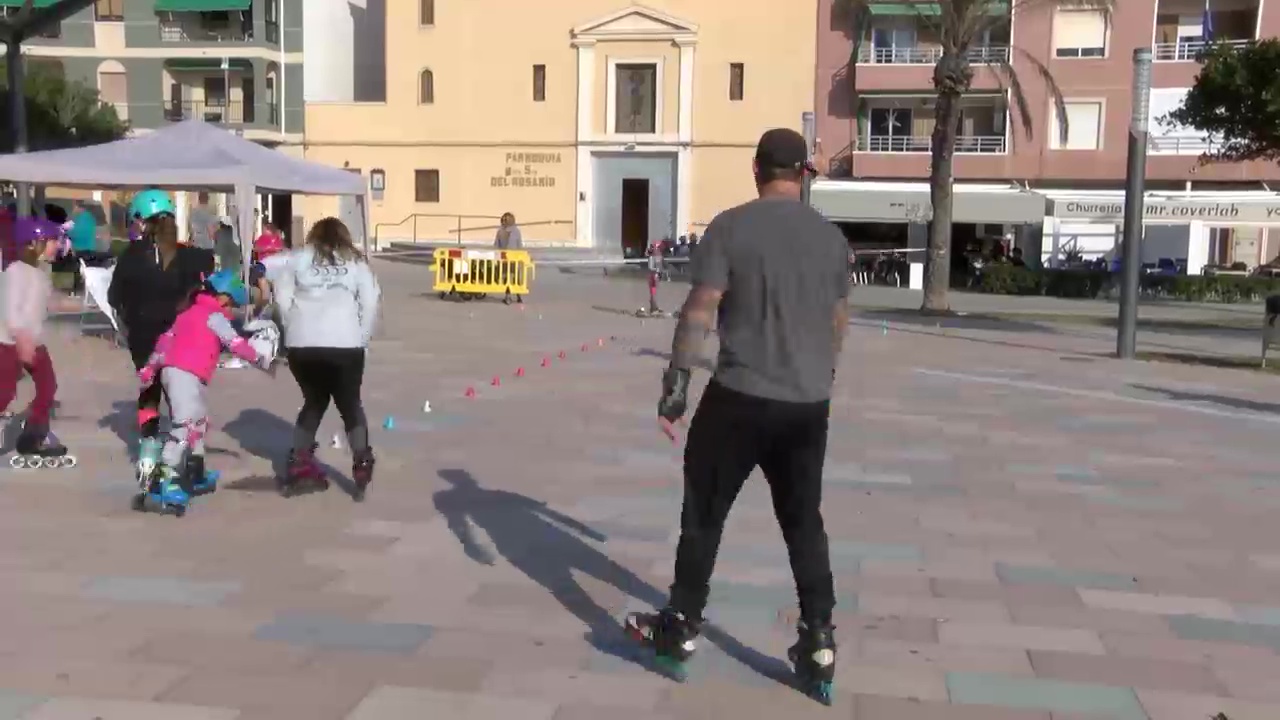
{"x": 146, "y": 415}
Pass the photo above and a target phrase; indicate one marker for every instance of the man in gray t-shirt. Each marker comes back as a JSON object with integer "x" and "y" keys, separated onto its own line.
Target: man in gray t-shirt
{"x": 771, "y": 275}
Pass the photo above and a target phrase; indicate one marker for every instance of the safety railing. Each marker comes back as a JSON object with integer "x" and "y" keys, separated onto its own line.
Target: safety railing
{"x": 1189, "y": 50}
{"x": 436, "y": 227}
{"x": 965, "y": 144}
{"x": 925, "y": 55}
{"x": 1179, "y": 144}
{"x": 466, "y": 274}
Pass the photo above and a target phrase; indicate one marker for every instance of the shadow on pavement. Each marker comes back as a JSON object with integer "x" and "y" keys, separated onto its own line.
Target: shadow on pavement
{"x": 548, "y": 547}
{"x": 1256, "y": 406}
{"x": 268, "y": 436}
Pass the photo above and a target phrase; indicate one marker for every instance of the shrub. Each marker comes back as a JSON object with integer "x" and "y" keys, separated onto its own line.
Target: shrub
{"x": 1005, "y": 279}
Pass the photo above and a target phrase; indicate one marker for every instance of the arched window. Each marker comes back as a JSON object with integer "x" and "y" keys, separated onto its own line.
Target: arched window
{"x": 426, "y": 88}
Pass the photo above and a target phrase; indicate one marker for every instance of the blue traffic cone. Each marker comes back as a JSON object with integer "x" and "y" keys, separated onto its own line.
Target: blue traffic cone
{"x": 389, "y": 423}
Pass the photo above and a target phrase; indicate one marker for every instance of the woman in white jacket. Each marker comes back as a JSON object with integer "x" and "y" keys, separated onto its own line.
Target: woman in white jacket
{"x": 328, "y": 300}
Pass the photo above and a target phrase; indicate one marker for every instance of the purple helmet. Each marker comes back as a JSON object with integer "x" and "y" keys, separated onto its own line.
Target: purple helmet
{"x": 29, "y": 231}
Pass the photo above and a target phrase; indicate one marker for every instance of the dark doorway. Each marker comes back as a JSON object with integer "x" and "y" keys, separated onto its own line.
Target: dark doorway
{"x": 635, "y": 216}
{"x": 281, "y": 215}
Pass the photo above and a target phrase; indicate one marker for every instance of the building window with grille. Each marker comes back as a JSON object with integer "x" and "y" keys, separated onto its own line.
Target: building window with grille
{"x": 737, "y": 81}
{"x": 539, "y": 83}
{"x": 427, "y": 13}
{"x": 426, "y": 88}
{"x": 636, "y": 99}
{"x": 1079, "y": 33}
{"x": 426, "y": 186}
{"x": 108, "y": 10}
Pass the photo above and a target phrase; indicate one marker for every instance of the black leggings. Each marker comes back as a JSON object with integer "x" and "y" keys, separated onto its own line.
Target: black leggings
{"x": 325, "y": 374}
{"x": 140, "y": 348}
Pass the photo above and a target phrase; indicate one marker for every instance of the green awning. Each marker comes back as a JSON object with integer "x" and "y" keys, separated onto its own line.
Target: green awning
{"x": 201, "y": 5}
{"x": 18, "y": 3}
{"x": 208, "y": 64}
{"x": 998, "y": 7}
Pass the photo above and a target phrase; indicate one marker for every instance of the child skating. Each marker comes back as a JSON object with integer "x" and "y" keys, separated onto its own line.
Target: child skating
{"x": 27, "y": 292}
{"x": 185, "y": 360}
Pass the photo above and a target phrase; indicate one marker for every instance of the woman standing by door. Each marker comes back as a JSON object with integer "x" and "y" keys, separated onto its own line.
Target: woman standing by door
{"x": 328, "y": 299}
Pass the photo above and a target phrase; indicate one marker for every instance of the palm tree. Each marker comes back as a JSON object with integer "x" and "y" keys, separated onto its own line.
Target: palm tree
{"x": 960, "y": 26}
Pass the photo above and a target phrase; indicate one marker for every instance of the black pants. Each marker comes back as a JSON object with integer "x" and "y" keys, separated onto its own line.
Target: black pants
{"x": 731, "y": 434}
{"x": 141, "y": 345}
{"x": 325, "y": 374}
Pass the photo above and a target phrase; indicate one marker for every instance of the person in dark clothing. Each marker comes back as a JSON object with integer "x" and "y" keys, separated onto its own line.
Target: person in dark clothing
{"x": 151, "y": 279}
{"x": 773, "y": 272}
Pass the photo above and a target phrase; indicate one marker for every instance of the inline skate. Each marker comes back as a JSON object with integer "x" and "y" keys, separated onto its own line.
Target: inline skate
{"x": 362, "y": 472}
{"x": 670, "y": 635}
{"x": 814, "y": 659}
{"x": 36, "y": 448}
{"x": 162, "y": 492}
{"x": 303, "y": 474}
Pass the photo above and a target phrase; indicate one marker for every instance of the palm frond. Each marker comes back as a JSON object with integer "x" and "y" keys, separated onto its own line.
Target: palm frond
{"x": 1026, "y": 118}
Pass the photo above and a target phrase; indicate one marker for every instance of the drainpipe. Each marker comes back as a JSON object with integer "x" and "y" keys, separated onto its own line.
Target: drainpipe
{"x": 283, "y": 105}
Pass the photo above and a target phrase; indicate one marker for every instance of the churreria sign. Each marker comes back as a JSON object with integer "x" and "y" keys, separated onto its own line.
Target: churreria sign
{"x": 1176, "y": 211}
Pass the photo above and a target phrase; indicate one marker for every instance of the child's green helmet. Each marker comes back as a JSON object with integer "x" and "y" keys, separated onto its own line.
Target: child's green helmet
{"x": 150, "y": 203}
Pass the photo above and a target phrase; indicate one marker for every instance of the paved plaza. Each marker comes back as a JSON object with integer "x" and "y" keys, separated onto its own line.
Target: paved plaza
{"x": 1021, "y": 528}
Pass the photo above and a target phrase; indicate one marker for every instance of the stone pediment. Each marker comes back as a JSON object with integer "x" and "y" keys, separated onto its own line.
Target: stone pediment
{"x": 636, "y": 22}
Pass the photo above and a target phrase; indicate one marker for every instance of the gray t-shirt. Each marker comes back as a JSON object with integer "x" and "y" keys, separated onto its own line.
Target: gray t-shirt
{"x": 201, "y": 223}
{"x": 782, "y": 268}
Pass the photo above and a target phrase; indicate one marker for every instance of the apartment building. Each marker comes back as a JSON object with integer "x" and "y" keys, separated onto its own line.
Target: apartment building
{"x": 598, "y": 123}
{"x": 1056, "y": 196}
{"x": 236, "y": 63}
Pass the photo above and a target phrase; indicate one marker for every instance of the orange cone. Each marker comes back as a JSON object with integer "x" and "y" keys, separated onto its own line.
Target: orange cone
{"x": 546, "y": 362}
{"x": 471, "y": 392}
{"x": 496, "y": 381}
{"x": 520, "y": 372}
{"x": 600, "y": 342}
{"x": 584, "y": 347}
{"x": 562, "y": 356}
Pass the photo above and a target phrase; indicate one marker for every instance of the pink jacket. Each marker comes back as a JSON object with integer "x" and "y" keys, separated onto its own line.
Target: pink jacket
{"x": 195, "y": 341}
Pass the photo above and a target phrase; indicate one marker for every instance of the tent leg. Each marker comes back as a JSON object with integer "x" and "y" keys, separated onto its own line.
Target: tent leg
{"x": 18, "y": 116}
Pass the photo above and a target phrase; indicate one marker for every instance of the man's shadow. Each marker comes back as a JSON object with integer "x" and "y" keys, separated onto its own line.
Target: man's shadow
{"x": 548, "y": 546}
{"x": 268, "y": 436}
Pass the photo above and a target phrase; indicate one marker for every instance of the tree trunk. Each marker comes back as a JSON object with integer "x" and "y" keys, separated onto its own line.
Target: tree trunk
{"x": 937, "y": 267}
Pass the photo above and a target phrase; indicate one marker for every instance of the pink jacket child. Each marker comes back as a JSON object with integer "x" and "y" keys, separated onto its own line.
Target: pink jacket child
{"x": 186, "y": 358}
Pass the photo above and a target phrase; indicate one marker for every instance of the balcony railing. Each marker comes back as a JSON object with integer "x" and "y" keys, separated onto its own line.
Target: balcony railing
{"x": 983, "y": 55}
{"x": 1189, "y": 50}
{"x": 965, "y": 144}
{"x": 177, "y": 31}
{"x": 225, "y": 113}
{"x": 1179, "y": 144}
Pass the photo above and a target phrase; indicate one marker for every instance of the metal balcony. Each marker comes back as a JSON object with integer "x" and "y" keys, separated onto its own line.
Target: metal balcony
{"x": 180, "y": 31}
{"x": 965, "y": 144}
{"x": 220, "y": 112}
{"x": 983, "y": 55}
{"x": 1189, "y": 50}
{"x": 1179, "y": 144}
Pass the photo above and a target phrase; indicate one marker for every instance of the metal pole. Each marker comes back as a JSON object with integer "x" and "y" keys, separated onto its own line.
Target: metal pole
{"x": 1134, "y": 187}
{"x": 808, "y": 124}
{"x": 18, "y": 115}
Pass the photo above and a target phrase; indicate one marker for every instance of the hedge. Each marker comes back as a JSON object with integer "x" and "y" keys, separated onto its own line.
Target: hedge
{"x": 1012, "y": 280}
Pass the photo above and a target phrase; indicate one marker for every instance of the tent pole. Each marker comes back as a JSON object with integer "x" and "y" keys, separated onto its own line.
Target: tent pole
{"x": 18, "y": 115}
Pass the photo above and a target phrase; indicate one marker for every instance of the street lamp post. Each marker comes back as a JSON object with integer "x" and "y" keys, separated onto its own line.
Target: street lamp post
{"x": 808, "y": 124}
{"x": 1134, "y": 187}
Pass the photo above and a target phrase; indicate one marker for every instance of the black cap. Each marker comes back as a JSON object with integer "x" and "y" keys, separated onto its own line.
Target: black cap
{"x": 782, "y": 149}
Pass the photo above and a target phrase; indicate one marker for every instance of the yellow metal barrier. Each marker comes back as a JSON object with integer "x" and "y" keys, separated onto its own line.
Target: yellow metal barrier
{"x": 469, "y": 274}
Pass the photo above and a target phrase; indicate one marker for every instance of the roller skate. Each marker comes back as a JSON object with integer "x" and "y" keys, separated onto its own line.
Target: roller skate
{"x": 303, "y": 474}
{"x": 163, "y": 494}
{"x": 670, "y": 635}
{"x": 36, "y": 448}
{"x": 814, "y": 659}
{"x": 148, "y": 459}
{"x": 197, "y": 480}
{"x": 362, "y": 473}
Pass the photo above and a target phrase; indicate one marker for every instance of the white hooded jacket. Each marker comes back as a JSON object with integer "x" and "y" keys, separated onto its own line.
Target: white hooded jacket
{"x": 326, "y": 305}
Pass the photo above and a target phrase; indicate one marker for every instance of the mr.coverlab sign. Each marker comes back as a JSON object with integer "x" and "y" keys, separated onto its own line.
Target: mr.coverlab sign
{"x": 1174, "y": 211}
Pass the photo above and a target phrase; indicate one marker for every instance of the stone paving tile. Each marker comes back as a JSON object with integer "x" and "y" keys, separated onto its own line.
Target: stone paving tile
{"x": 13, "y": 705}
{"x": 409, "y": 703}
{"x": 269, "y": 692}
{"x": 1118, "y": 703}
{"x": 94, "y": 709}
{"x": 877, "y": 707}
{"x": 1020, "y": 636}
{"x": 1060, "y": 576}
{"x": 1190, "y": 627}
{"x": 328, "y": 632}
{"x": 1158, "y": 604}
{"x": 1131, "y": 672}
{"x": 220, "y": 652}
{"x": 1161, "y": 705}
{"x": 893, "y": 653}
{"x": 160, "y": 590}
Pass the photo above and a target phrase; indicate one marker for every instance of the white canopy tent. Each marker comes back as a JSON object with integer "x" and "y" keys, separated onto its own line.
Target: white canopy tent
{"x": 190, "y": 155}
